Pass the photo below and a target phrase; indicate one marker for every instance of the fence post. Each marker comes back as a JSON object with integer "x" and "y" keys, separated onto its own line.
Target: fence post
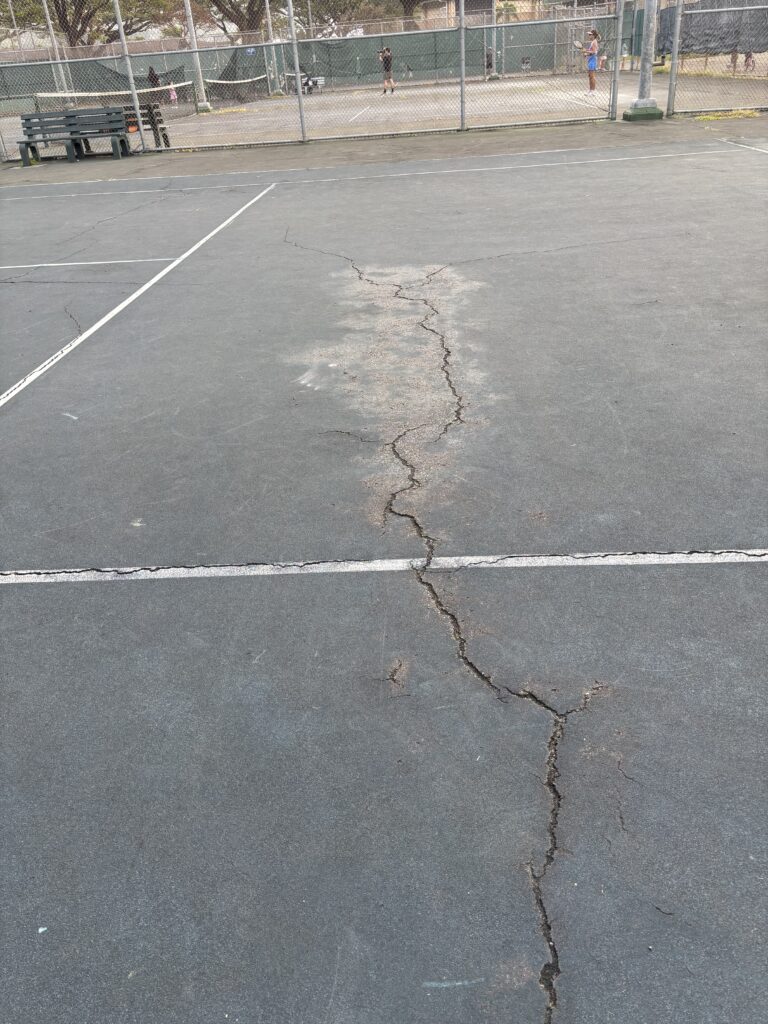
{"x": 462, "y": 71}
{"x": 15, "y": 26}
{"x": 297, "y": 70}
{"x": 129, "y": 71}
{"x": 203, "y": 106}
{"x": 59, "y": 76}
{"x": 271, "y": 38}
{"x": 616, "y": 60}
{"x": 675, "y": 57}
{"x": 644, "y": 108}
{"x": 493, "y": 39}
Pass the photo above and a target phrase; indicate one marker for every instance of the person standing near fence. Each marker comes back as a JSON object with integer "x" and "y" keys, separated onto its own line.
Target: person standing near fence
{"x": 154, "y": 78}
{"x": 385, "y": 56}
{"x": 591, "y": 53}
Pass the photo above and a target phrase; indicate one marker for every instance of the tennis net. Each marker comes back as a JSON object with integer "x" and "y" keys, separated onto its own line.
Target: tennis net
{"x": 177, "y": 99}
{"x": 224, "y": 92}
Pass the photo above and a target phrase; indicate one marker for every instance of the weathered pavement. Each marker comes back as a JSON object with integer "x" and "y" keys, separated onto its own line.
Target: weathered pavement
{"x": 422, "y": 796}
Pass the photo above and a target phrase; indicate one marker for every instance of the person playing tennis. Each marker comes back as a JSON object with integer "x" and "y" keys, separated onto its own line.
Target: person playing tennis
{"x": 591, "y": 53}
{"x": 385, "y": 56}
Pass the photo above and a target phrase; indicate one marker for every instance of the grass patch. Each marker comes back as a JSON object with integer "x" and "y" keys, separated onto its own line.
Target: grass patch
{"x": 723, "y": 115}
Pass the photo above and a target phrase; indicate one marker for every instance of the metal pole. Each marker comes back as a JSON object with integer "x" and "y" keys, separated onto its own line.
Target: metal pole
{"x": 493, "y": 37}
{"x": 15, "y": 26}
{"x": 462, "y": 71}
{"x": 271, "y": 39}
{"x": 645, "y": 107}
{"x": 634, "y": 35}
{"x": 312, "y": 35}
{"x": 203, "y": 106}
{"x": 675, "y": 56}
{"x": 647, "y": 53}
{"x": 129, "y": 71}
{"x": 59, "y": 79}
{"x": 295, "y": 48}
{"x": 616, "y": 60}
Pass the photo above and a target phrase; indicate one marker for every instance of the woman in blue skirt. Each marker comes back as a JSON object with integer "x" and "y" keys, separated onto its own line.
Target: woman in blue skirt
{"x": 591, "y": 53}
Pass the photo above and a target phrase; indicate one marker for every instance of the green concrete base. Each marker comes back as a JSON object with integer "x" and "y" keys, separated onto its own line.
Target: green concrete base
{"x": 643, "y": 114}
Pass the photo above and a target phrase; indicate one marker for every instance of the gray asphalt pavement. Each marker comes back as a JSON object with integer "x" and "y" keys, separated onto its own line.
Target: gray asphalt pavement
{"x": 525, "y": 795}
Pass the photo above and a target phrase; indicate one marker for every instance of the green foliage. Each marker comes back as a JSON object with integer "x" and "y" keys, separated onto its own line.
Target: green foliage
{"x": 83, "y": 22}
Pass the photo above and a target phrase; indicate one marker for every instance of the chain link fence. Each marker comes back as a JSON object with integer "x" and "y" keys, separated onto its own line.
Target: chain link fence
{"x": 447, "y": 79}
{"x": 440, "y": 80}
{"x": 719, "y": 56}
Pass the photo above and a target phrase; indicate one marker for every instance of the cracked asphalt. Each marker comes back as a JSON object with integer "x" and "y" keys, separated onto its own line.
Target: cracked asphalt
{"x": 422, "y": 797}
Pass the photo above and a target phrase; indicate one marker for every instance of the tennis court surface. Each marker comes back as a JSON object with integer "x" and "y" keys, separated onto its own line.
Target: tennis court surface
{"x": 384, "y": 585}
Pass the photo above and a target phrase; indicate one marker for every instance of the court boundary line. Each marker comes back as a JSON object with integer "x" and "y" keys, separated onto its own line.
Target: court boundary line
{"x": 743, "y": 145}
{"x": 437, "y": 564}
{"x": 88, "y": 263}
{"x": 714, "y": 151}
{"x": 276, "y": 170}
{"x": 19, "y": 386}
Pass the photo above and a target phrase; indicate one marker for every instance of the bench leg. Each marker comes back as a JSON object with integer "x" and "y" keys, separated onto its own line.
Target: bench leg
{"x": 71, "y": 152}
{"x": 24, "y": 154}
{"x": 117, "y": 149}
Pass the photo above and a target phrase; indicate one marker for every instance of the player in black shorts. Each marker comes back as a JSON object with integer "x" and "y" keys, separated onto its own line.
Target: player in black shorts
{"x": 385, "y": 56}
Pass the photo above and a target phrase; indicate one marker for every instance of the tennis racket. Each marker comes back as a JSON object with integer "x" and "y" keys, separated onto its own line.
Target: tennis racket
{"x": 578, "y": 45}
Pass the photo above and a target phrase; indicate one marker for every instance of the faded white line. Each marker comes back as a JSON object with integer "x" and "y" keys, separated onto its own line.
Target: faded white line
{"x": 360, "y": 114}
{"x": 374, "y": 177}
{"x": 742, "y": 145}
{"x": 511, "y": 167}
{"x": 276, "y": 170}
{"x": 72, "y": 345}
{"x": 448, "y": 563}
{"x": 86, "y": 263}
{"x": 452, "y": 984}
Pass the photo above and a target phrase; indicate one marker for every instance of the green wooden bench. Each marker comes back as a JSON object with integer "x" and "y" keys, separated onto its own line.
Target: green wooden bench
{"x": 44, "y": 129}
{"x": 74, "y": 129}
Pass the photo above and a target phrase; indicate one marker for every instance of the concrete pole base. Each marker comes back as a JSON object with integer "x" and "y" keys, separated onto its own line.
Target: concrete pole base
{"x": 643, "y": 110}
{"x": 204, "y": 108}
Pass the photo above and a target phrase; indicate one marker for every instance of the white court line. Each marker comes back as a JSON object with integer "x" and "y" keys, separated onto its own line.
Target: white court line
{"x": 449, "y": 563}
{"x": 742, "y": 145}
{"x": 87, "y": 263}
{"x": 359, "y": 115}
{"x": 372, "y": 177}
{"x": 278, "y": 170}
{"x": 57, "y": 356}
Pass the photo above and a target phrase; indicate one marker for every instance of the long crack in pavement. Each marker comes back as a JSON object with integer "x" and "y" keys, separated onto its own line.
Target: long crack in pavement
{"x": 550, "y": 970}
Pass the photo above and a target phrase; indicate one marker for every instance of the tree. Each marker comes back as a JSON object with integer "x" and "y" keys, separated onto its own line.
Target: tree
{"x": 83, "y": 22}
{"x": 250, "y": 15}
{"x": 245, "y": 15}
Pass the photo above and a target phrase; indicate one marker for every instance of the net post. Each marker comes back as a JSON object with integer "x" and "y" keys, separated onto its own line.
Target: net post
{"x": 296, "y": 70}
{"x": 129, "y": 71}
{"x": 462, "y": 70}
{"x": 616, "y": 60}
{"x": 203, "y": 106}
{"x": 675, "y": 57}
